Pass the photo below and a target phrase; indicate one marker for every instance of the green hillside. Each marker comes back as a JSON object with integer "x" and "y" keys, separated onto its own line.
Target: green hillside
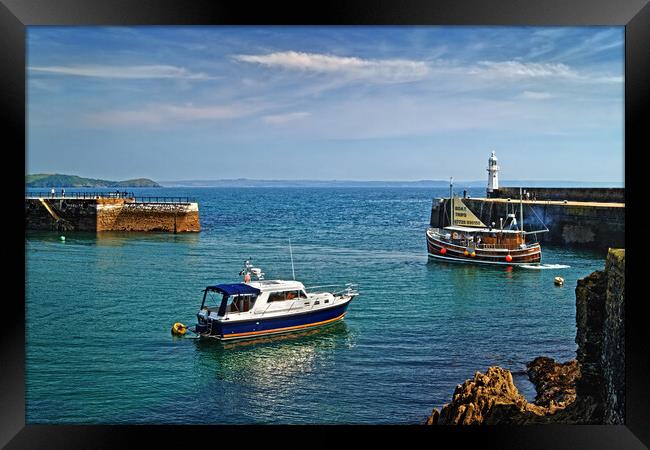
{"x": 45, "y": 180}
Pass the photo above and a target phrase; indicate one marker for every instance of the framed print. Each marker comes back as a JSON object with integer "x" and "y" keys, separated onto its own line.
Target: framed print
{"x": 362, "y": 218}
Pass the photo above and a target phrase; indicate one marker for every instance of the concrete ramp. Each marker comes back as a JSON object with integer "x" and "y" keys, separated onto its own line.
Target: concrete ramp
{"x": 47, "y": 206}
{"x": 61, "y": 223}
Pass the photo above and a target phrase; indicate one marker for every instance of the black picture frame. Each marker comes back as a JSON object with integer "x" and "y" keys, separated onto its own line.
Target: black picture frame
{"x": 15, "y": 15}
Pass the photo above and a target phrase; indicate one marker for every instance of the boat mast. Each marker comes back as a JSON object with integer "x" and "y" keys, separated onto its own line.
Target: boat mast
{"x": 521, "y": 211}
{"x": 451, "y": 200}
{"x": 291, "y": 253}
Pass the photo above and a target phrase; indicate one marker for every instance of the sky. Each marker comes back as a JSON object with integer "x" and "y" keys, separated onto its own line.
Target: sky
{"x": 324, "y": 103}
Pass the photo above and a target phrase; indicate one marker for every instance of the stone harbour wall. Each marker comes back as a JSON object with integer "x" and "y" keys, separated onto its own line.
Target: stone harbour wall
{"x": 120, "y": 215}
{"x": 77, "y": 214}
{"x": 612, "y": 354}
{"x": 616, "y": 195}
{"x": 111, "y": 214}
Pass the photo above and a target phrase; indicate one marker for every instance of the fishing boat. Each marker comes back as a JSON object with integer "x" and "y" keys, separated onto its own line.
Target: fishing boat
{"x": 468, "y": 239}
{"x": 259, "y": 307}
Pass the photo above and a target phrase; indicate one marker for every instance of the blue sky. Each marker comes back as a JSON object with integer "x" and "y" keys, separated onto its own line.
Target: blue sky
{"x": 354, "y": 103}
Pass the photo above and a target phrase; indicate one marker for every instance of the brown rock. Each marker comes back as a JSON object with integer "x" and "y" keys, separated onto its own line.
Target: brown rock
{"x": 554, "y": 382}
{"x": 433, "y": 418}
{"x": 478, "y": 398}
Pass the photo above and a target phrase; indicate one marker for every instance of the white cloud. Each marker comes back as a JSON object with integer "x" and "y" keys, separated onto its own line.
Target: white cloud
{"x": 516, "y": 69}
{"x": 533, "y": 95}
{"x": 386, "y": 70}
{"x": 278, "y": 119}
{"x": 159, "y": 114}
{"x": 123, "y": 72}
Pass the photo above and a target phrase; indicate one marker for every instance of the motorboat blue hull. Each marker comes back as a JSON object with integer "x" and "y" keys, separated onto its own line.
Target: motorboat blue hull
{"x": 226, "y": 331}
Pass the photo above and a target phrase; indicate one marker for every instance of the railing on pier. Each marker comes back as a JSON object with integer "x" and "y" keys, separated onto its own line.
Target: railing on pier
{"x": 116, "y": 194}
{"x": 79, "y": 195}
{"x": 165, "y": 200}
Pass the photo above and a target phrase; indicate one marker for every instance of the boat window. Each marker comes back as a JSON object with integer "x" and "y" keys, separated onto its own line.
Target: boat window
{"x": 286, "y": 295}
{"x": 211, "y": 301}
{"x": 242, "y": 303}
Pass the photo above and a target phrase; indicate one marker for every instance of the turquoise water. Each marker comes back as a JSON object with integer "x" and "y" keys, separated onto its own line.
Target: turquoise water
{"x": 99, "y": 310}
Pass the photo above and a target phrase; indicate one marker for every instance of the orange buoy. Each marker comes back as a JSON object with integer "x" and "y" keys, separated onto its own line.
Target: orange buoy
{"x": 443, "y": 251}
{"x": 508, "y": 258}
{"x": 466, "y": 252}
{"x": 247, "y": 278}
{"x": 473, "y": 254}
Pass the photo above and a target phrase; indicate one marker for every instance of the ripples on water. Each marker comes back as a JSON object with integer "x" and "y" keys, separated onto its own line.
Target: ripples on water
{"x": 100, "y": 307}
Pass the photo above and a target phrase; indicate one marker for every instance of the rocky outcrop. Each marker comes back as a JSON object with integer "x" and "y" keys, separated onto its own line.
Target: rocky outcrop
{"x": 492, "y": 398}
{"x": 478, "y": 400}
{"x": 554, "y": 382}
{"x": 588, "y": 390}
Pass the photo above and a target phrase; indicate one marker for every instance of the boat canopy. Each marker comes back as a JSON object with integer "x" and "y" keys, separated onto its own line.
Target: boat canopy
{"x": 234, "y": 289}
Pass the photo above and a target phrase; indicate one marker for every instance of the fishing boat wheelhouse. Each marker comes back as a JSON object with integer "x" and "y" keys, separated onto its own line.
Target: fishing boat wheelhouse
{"x": 266, "y": 307}
{"x": 467, "y": 239}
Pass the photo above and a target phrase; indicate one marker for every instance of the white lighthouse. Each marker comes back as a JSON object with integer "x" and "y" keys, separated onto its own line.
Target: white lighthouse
{"x": 493, "y": 173}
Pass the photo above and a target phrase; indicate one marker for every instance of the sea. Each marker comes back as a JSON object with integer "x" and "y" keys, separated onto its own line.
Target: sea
{"x": 100, "y": 307}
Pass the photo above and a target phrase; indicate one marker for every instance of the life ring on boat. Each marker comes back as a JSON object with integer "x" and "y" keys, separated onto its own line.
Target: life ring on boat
{"x": 179, "y": 329}
{"x": 454, "y": 235}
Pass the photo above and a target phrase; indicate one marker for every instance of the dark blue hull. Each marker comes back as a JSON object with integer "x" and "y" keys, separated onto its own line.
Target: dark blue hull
{"x": 253, "y": 328}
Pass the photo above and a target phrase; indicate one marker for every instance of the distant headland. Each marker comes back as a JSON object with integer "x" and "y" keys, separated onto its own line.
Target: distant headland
{"x": 47, "y": 180}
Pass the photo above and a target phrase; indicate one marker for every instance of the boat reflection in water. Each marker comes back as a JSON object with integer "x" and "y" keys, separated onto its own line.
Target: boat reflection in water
{"x": 272, "y": 362}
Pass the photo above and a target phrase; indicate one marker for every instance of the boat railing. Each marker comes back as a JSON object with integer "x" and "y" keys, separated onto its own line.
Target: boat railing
{"x": 347, "y": 288}
{"x": 481, "y": 246}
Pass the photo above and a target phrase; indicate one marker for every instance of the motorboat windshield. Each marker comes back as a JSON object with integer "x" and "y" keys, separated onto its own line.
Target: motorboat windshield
{"x": 238, "y": 297}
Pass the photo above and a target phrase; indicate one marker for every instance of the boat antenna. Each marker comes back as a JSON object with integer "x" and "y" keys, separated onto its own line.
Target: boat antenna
{"x": 291, "y": 253}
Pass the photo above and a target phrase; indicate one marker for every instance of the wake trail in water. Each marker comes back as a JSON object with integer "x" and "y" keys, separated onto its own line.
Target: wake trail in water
{"x": 544, "y": 266}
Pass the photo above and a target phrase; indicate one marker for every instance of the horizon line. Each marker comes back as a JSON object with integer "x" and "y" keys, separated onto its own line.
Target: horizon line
{"x": 380, "y": 181}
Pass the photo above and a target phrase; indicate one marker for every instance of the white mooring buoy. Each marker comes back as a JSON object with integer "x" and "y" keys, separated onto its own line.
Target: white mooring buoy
{"x": 559, "y": 281}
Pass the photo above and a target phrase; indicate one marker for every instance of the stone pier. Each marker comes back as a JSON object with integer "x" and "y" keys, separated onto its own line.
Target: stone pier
{"x": 111, "y": 214}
